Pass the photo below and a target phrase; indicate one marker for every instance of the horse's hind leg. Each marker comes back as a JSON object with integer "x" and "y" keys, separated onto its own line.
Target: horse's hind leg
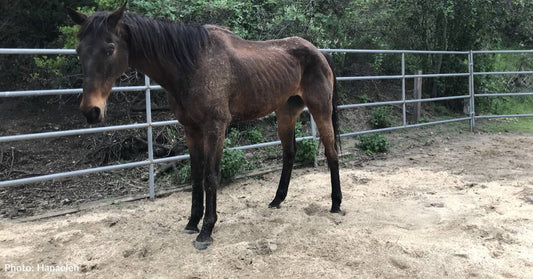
{"x": 320, "y": 106}
{"x": 287, "y": 116}
{"x": 328, "y": 139}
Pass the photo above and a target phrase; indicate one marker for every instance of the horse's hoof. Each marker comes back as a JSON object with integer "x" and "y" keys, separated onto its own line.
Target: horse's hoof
{"x": 191, "y": 230}
{"x": 274, "y": 205}
{"x": 337, "y": 211}
{"x": 202, "y": 245}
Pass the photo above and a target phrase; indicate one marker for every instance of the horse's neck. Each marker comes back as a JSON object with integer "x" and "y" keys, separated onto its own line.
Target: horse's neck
{"x": 165, "y": 51}
{"x": 170, "y": 79}
{"x": 146, "y": 66}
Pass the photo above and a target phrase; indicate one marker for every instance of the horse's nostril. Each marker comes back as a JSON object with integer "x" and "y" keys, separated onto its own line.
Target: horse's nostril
{"x": 93, "y": 115}
{"x": 95, "y": 112}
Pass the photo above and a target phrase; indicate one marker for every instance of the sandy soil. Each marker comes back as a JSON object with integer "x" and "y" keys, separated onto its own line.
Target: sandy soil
{"x": 455, "y": 209}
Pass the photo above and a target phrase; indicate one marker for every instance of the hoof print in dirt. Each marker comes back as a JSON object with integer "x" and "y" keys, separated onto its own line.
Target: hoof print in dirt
{"x": 110, "y": 222}
{"x": 313, "y": 209}
{"x": 140, "y": 252}
{"x": 86, "y": 268}
{"x": 263, "y": 247}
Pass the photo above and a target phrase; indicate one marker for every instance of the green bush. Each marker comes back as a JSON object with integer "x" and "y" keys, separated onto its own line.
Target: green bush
{"x": 255, "y": 135}
{"x": 364, "y": 98}
{"x": 185, "y": 173}
{"x": 306, "y": 151}
{"x": 51, "y": 72}
{"x": 380, "y": 117}
{"x": 233, "y": 162}
{"x": 233, "y": 137}
{"x": 373, "y": 143}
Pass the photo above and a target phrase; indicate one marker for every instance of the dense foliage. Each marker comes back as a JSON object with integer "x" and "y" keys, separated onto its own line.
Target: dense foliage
{"x": 384, "y": 24}
{"x": 369, "y": 24}
{"x": 373, "y": 143}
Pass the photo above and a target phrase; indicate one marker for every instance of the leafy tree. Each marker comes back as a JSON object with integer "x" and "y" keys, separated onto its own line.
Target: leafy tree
{"x": 28, "y": 24}
{"x": 370, "y": 24}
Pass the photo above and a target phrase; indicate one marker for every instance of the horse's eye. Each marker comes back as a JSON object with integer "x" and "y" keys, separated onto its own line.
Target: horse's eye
{"x": 110, "y": 48}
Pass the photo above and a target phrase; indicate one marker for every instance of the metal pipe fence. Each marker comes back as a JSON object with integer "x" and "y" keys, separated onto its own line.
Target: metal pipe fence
{"x": 149, "y": 124}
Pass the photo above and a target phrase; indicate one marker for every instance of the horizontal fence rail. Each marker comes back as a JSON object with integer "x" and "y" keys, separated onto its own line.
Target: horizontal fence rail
{"x": 148, "y": 125}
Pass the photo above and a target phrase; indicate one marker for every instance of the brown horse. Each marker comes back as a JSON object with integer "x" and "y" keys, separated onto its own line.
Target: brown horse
{"x": 212, "y": 78}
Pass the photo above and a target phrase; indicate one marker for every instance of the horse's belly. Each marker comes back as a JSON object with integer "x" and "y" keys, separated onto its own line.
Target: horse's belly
{"x": 262, "y": 80}
{"x": 253, "y": 110}
{"x": 261, "y": 99}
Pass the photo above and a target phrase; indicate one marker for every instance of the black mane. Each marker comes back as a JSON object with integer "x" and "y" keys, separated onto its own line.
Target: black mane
{"x": 162, "y": 40}
{"x": 165, "y": 40}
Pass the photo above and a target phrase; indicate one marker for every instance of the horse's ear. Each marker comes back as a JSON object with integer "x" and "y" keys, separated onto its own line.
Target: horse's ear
{"x": 76, "y": 16}
{"x": 116, "y": 16}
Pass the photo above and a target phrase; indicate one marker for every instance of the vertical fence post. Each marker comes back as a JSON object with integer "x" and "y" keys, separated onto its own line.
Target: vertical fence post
{"x": 149, "y": 137}
{"x": 472, "y": 110}
{"x": 417, "y": 94}
{"x": 404, "y": 113}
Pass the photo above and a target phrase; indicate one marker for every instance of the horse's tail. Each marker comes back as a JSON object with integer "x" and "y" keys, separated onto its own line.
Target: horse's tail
{"x": 334, "y": 102}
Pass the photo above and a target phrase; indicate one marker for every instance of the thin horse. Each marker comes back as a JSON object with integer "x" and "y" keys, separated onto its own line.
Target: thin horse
{"x": 212, "y": 78}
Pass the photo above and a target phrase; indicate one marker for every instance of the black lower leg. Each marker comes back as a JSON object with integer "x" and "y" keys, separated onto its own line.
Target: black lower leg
{"x": 197, "y": 209}
{"x": 195, "y": 144}
{"x": 211, "y": 175}
{"x": 288, "y": 162}
{"x": 336, "y": 194}
{"x": 204, "y": 239}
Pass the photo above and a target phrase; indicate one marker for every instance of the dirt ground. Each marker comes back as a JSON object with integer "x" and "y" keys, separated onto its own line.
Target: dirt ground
{"x": 456, "y": 208}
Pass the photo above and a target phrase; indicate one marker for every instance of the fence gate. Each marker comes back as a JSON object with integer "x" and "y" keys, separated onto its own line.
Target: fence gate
{"x": 149, "y": 124}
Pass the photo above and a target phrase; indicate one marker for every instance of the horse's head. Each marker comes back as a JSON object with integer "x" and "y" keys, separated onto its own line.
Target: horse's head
{"x": 103, "y": 54}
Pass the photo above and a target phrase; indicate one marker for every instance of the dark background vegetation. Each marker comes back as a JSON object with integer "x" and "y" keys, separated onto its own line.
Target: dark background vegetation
{"x": 368, "y": 24}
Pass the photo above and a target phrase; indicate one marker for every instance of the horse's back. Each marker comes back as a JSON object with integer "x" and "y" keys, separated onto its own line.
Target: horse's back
{"x": 262, "y": 75}
{"x": 290, "y": 48}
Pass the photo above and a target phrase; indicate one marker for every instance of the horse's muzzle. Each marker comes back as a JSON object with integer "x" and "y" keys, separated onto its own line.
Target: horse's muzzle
{"x": 93, "y": 115}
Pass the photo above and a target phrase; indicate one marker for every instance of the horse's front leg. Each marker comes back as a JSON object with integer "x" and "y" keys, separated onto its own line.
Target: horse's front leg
{"x": 213, "y": 148}
{"x": 195, "y": 144}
